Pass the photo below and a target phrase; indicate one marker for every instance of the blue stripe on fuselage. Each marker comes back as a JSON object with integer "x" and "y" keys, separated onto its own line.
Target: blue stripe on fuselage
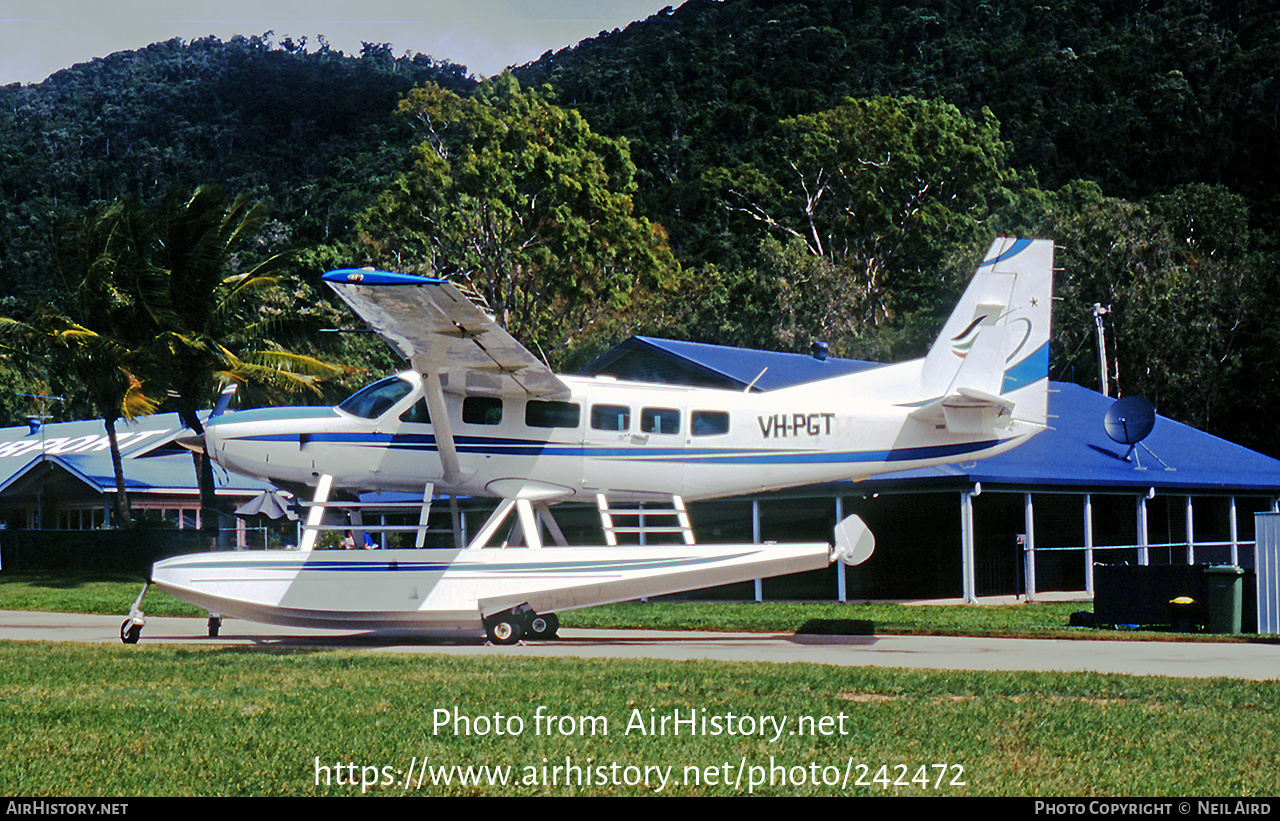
{"x": 700, "y": 456}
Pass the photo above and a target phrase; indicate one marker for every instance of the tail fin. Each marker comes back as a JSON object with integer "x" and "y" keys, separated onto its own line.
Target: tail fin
{"x": 990, "y": 364}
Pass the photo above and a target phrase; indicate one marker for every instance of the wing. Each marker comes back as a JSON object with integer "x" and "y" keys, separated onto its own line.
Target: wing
{"x": 438, "y": 330}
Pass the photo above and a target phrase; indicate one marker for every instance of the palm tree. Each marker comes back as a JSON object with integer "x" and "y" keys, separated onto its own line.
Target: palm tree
{"x": 151, "y": 296}
{"x": 96, "y": 336}
{"x": 213, "y": 330}
{"x": 100, "y": 365}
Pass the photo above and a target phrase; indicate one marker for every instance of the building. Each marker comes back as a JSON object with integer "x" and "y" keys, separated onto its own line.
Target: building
{"x": 59, "y": 477}
{"x": 1033, "y": 519}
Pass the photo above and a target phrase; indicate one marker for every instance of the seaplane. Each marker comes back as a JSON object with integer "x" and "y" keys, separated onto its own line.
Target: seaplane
{"x": 478, "y": 415}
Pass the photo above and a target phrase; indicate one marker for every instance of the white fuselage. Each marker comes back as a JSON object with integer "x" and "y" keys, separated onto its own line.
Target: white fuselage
{"x": 626, "y": 440}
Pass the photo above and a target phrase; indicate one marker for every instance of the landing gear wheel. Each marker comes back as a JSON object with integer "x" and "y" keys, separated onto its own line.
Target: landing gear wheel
{"x": 544, "y": 626}
{"x": 215, "y": 624}
{"x": 130, "y": 632}
{"x": 504, "y": 629}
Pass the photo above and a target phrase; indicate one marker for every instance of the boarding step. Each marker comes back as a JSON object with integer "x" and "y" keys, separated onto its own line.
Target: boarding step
{"x": 643, "y": 515}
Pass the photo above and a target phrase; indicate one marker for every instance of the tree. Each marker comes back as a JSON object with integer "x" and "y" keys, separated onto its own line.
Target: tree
{"x": 101, "y": 366}
{"x": 211, "y": 329}
{"x": 1192, "y": 317}
{"x": 520, "y": 201}
{"x": 882, "y": 194}
{"x": 97, "y": 338}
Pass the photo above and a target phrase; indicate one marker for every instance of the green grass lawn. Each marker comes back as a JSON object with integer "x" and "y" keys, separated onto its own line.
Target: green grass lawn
{"x": 153, "y": 720}
{"x": 113, "y": 594}
{"x": 116, "y": 720}
{"x": 69, "y": 592}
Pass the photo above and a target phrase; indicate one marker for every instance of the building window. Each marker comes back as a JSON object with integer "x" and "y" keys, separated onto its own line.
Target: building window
{"x": 78, "y": 518}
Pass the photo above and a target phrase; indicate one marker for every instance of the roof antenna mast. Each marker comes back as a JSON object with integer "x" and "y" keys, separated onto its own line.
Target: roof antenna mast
{"x": 1098, "y": 313}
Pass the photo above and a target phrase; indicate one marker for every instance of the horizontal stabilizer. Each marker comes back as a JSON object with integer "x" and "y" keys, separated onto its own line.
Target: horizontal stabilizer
{"x": 967, "y": 411}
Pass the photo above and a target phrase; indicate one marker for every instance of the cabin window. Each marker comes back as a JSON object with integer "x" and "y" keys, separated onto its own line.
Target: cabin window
{"x": 708, "y": 423}
{"x": 376, "y": 399}
{"x": 610, "y": 417}
{"x": 660, "y": 420}
{"x": 482, "y": 410}
{"x": 551, "y": 414}
{"x": 417, "y": 413}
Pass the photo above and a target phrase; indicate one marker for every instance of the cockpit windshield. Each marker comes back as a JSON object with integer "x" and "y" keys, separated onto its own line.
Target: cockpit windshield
{"x": 374, "y": 400}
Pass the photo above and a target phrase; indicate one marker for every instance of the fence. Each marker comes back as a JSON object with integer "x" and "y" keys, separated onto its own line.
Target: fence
{"x": 105, "y": 550}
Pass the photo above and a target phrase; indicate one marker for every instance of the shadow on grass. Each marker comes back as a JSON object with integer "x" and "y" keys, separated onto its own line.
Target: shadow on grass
{"x": 64, "y": 580}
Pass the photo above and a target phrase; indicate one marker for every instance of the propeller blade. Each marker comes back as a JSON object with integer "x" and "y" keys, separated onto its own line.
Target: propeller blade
{"x": 192, "y": 441}
{"x": 223, "y": 401}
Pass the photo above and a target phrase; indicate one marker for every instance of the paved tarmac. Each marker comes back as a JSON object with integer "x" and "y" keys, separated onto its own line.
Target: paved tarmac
{"x": 1259, "y": 662}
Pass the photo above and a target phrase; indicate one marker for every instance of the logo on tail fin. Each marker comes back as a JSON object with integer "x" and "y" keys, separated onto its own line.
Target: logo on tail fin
{"x": 963, "y": 341}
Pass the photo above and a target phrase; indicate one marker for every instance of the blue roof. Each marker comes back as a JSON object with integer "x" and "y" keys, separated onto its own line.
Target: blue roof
{"x": 1075, "y": 453}
{"x": 152, "y": 461}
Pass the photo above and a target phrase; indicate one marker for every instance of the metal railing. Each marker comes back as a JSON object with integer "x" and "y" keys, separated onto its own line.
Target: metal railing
{"x": 1239, "y": 548}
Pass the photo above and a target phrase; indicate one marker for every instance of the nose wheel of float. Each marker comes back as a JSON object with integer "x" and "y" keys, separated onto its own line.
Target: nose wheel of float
{"x": 130, "y": 631}
{"x": 131, "y": 628}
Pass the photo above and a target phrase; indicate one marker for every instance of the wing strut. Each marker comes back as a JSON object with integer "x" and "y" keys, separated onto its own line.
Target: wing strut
{"x": 434, "y": 392}
{"x": 424, "y": 515}
{"x": 316, "y": 514}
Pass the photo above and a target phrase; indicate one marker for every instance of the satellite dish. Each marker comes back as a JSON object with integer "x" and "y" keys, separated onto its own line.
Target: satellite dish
{"x": 1129, "y": 421}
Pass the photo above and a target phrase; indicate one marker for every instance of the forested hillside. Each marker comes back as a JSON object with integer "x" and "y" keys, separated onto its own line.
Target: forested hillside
{"x": 764, "y": 172}
{"x": 309, "y": 135}
{"x": 1137, "y": 95}
{"x": 1141, "y": 135}
{"x": 312, "y": 134}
